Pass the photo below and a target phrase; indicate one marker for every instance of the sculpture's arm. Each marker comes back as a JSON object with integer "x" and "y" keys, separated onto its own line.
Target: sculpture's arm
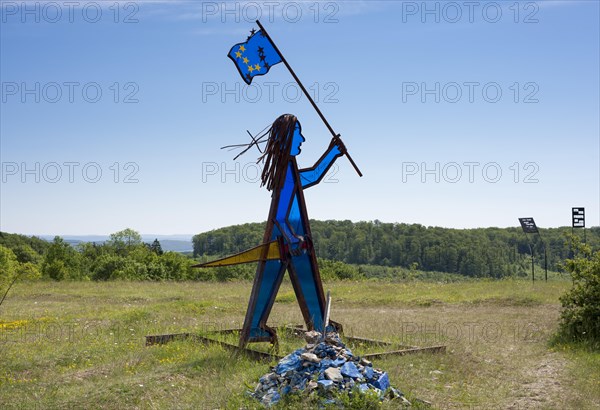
{"x": 314, "y": 175}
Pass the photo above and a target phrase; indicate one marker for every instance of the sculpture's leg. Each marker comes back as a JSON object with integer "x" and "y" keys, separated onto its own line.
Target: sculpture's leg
{"x": 266, "y": 284}
{"x": 306, "y": 281}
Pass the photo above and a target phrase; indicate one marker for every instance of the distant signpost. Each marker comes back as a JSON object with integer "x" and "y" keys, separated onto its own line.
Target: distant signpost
{"x": 578, "y": 220}
{"x": 528, "y": 225}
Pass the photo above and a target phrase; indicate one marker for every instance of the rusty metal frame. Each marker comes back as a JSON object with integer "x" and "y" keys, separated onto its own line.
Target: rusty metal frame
{"x": 253, "y": 354}
{"x": 297, "y": 331}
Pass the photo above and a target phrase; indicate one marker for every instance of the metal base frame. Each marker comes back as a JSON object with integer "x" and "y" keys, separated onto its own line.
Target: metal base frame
{"x": 296, "y": 331}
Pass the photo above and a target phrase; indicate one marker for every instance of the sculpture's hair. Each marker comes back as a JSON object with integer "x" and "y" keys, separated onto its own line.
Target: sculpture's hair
{"x": 277, "y": 151}
{"x": 276, "y": 155}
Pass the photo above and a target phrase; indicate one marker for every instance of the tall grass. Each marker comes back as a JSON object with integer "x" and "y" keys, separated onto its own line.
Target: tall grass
{"x": 81, "y": 345}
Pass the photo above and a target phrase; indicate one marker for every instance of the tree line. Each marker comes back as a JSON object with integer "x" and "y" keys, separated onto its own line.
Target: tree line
{"x": 123, "y": 256}
{"x": 346, "y": 250}
{"x": 481, "y": 252}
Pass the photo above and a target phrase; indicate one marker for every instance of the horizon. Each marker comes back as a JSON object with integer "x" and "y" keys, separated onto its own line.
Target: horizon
{"x": 166, "y": 236}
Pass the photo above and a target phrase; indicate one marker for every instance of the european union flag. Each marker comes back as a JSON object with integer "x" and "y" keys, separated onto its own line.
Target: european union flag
{"x": 254, "y": 57}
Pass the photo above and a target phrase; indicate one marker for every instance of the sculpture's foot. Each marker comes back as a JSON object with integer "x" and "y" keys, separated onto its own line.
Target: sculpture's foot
{"x": 261, "y": 334}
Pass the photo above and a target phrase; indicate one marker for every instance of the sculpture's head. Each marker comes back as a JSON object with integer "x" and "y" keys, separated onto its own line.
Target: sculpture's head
{"x": 286, "y": 135}
{"x": 297, "y": 140}
{"x": 285, "y": 139}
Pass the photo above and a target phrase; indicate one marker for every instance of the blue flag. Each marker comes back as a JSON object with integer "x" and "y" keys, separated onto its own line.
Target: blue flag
{"x": 254, "y": 57}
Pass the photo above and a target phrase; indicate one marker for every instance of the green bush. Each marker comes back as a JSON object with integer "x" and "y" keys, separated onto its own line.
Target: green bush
{"x": 12, "y": 269}
{"x": 8, "y": 268}
{"x": 105, "y": 266}
{"x": 580, "y": 317}
{"x": 176, "y": 266}
{"x": 335, "y": 270}
{"x": 62, "y": 261}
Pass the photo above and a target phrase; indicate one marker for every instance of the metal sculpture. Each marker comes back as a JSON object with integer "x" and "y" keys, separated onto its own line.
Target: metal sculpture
{"x": 287, "y": 243}
{"x": 288, "y": 225}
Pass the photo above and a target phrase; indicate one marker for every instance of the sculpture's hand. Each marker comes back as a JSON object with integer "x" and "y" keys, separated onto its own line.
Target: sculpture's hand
{"x": 298, "y": 247}
{"x": 337, "y": 144}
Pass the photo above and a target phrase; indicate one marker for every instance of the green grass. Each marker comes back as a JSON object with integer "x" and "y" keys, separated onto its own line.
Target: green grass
{"x": 81, "y": 345}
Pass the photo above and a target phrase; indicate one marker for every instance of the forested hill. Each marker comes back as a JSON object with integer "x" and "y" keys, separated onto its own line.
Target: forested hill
{"x": 482, "y": 252}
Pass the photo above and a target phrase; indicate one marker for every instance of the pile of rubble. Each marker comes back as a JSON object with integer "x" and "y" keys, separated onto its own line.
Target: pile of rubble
{"x": 322, "y": 367}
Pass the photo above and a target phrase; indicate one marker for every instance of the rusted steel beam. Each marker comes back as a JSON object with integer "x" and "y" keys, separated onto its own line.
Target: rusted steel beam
{"x": 367, "y": 340}
{"x": 430, "y": 349}
{"x": 164, "y": 339}
{"x": 253, "y": 354}
{"x": 256, "y": 355}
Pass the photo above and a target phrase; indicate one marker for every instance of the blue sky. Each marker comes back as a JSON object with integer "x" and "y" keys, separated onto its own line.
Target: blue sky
{"x": 459, "y": 114}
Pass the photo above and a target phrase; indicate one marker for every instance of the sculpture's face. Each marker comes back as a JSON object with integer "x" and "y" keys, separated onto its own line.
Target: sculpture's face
{"x": 297, "y": 140}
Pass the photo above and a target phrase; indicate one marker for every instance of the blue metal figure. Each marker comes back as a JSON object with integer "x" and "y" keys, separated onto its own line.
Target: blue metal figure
{"x": 288, "y": 224}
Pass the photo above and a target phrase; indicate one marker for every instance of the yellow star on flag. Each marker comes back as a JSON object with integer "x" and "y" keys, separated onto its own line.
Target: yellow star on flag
{"x": 245, "y": 60}
{"x": 257, "y": 67}
{"x": 250, "y": 68}
{"x": 242, "y": 49}
{"x": 238, "y": 54}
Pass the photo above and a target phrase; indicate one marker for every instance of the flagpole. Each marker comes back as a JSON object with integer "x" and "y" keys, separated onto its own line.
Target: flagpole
{"x": 308, "y": 95}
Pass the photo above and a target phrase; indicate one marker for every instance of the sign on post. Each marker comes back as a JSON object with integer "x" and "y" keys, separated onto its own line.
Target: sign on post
{"x": 578, "y": 218}
{"x": 528, "y": 225}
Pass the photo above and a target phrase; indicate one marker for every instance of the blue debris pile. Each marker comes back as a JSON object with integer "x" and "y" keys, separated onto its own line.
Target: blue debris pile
{"x": 322, "y": 367}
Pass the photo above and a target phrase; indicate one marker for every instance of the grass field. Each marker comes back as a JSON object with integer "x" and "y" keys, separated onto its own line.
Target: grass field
{"x": 81, "y": 345}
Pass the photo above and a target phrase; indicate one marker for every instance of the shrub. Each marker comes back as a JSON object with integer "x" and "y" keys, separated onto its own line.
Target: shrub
{"x": 580, "y": 317}
{"x": 8, "y": 268}
{"x": 332, "y": 270}
{"x": 62, "y": 261}
{"x": 106, "y": 265}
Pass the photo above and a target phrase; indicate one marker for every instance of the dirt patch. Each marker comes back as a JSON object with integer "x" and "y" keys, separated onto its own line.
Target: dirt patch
{"x": 544, "y": 384}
